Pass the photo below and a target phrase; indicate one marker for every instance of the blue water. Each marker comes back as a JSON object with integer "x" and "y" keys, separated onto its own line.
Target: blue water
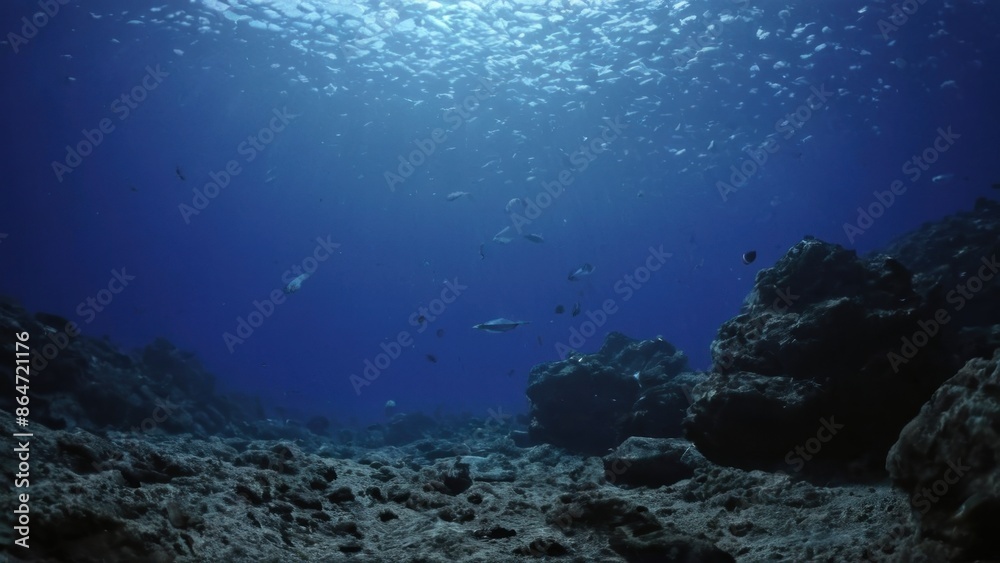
{"x": 357, "y": 106}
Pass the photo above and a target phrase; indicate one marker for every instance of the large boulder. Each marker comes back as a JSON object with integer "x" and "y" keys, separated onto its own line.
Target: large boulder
{"x": 579, "y": 404}
{"x": 652, "y": 462}
{"x": 661, "y": 407}
{"x": 585, "y": 403}
{"x": 946, "y": 461}
{"x": 823, "y": 362}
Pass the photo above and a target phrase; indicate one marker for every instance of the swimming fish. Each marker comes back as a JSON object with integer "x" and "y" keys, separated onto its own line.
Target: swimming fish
{"x": 534, "y": 237}
{"x": 501, "y": 238}
{"x": 514, "y": 204}
{"x": 295, "y": 284}
{"x": 580, "y": 272}
{"x": 455, "y": 195}
{"x": 749, "y": 256}
{"x": 576, "y": 309}
{"x": 560, "y": 309}
{"x": 500, "y": 325}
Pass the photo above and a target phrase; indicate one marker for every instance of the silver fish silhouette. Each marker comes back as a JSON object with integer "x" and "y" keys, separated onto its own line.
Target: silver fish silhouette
{"x": 500, "y": 325}
{"x": 295, "y": 284}
{"x": 580, "y": 272}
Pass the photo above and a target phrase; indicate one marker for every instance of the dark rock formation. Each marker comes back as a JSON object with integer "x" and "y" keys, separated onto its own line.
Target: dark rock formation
{"x": 660, "y": 409}
{"x": 635, "y": 532}
{"x": 80, "y": 381}
{"x": 816, "y": 365}
{"x": 652, "y": 462}
{"x": 665, "y": 546}
{"x": 955, "y": 264}
{"x": 585, "y": 402}
{"x": 946, "y": 460}
{"x": 580, "y": 405}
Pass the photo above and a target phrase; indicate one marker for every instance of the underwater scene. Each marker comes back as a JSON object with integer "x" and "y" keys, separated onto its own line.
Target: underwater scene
{"x": 500, "y": 280}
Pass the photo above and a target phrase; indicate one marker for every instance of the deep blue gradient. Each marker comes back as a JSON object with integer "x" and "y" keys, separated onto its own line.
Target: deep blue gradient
{"x": 323, "y": 176}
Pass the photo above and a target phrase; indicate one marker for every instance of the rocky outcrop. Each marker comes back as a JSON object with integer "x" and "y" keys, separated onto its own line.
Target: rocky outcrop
{"x": 946, "y": 461}
{"x": 652, "y": 462}
{"x": 587, "y": 403}
{"x": 832, "y": 354}
{"x": 817, "y": 366}
{"x": 80, "y": 381}
{"x": 956, "y": 262}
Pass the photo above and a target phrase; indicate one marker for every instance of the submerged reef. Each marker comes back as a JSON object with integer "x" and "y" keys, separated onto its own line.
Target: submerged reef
{"x": 863, "y": 387}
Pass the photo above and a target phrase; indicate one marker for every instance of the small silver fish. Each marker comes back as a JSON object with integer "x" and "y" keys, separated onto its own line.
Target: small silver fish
{"x": 580, "y": 272}
{"x": 295, "y": 284}
{"x": 500, "y": 325}
{"x": 501, "y": 236}
{"x": 455, "y": 195}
